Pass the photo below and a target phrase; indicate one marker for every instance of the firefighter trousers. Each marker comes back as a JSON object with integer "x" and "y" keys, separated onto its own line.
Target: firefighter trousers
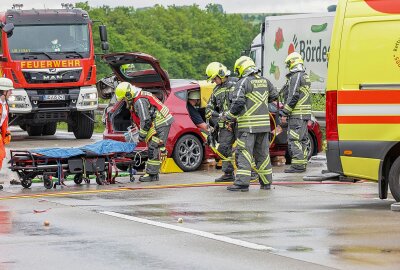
{"x": 156, "y": 142}
{"x": 298, "y": 142}
{"x": 226, "y": 140}
{"x": 253, "y": 152}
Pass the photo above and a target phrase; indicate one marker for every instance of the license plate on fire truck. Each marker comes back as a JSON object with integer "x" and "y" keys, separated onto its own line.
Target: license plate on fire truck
{"x": 54, "y": 97}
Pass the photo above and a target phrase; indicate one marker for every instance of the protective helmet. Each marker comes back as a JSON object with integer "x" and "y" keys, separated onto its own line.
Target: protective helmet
{"x": 293, "y": 60}
{"x": 215, "y": 69}
{"x": 242, "y": 64}
{"x": 6, "y": 84}
{"x": 126, "y": 90}
{"x": 194, "y": 95}
{"x": 127, "y": 68}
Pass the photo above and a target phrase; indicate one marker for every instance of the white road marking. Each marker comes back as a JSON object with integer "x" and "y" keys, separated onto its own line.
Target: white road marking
{"x": 192, "y": 231}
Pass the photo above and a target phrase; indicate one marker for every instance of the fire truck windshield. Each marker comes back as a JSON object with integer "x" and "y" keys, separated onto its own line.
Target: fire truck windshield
{"x": 44, "y": 41}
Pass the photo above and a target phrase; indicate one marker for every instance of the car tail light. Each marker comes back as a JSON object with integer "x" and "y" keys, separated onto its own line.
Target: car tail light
{"x": 331, "y": 116}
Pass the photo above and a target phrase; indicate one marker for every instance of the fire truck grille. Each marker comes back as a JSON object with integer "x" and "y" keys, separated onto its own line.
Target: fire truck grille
{"x": 59, "y": 77}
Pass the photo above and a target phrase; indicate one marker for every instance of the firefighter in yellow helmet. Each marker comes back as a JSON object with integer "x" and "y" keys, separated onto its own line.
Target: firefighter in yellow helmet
{"x": 219, "y": 104}
{"x": 249, "y": 109}
{"x": 296, "y": 111}
{"x": 153, "y": 119}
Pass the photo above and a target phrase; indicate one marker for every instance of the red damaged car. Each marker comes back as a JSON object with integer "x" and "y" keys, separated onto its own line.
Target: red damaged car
{"x": 185, "y": 144}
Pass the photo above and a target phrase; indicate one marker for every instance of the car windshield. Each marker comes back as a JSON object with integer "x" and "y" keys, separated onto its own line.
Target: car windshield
{"x": 48, "y": 41}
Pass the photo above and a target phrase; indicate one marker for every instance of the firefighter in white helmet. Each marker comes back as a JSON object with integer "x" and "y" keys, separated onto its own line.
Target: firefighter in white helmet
{"x": 153, "y": 119}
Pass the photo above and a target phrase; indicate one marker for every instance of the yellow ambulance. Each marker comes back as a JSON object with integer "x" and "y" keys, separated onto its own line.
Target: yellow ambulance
{"x": 363, "y": 93}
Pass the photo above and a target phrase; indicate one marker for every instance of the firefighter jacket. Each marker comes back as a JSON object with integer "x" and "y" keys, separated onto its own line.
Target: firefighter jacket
{"x": 296, "y": 95}
{"x": 149, "y": 113}
{"x": 220, "y": 100}
{"x": 250, "y": 103}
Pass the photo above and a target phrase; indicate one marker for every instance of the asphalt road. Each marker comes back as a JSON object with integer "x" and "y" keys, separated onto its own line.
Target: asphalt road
{"x": 184, "y": 221}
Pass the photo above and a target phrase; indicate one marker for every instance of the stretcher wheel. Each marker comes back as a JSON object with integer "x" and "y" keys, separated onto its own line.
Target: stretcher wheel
{"x": 48, "y": 182}
{"x": 100, "y": 178}
{"x": 26, "y": 183}
{"x": 78, "y": 178}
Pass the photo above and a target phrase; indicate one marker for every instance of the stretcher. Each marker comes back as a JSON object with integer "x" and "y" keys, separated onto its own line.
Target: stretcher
{"x": 101, "y": 160}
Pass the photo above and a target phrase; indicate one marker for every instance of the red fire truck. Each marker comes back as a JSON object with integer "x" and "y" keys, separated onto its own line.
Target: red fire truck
{"x": 49, "y": 55}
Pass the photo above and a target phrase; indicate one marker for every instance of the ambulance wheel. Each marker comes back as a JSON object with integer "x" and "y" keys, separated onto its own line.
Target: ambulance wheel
{"x": 188, "y": 153}
{"x": 100, "y": 178}
{"x": 78, "y": 178}
{"x": 26, "y": 183}
{"x": 47, "y": 181}
{"x": 394, "y": 179}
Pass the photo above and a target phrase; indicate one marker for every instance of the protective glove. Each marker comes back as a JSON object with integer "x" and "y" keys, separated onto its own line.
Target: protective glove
{"x": 163, "y": 153}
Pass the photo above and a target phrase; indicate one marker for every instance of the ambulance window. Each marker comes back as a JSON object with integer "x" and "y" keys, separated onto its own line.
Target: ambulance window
{"x": 369, "y": 60}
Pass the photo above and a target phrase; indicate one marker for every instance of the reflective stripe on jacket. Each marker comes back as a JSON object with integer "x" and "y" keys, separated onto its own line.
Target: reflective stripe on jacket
{"x": 221, "y": 98}
{"x": 296, "y": 95}
{"x": 250, "y": 103}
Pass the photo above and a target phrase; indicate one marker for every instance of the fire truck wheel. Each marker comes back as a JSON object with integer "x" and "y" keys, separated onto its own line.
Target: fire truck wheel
{"x": 34, "y": 130}
{"x": 84, "y": 126}
{"x": 49, "y": 129}
{"x": 394, "y": 179}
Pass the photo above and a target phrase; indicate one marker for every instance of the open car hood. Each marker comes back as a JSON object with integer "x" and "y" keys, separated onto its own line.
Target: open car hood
{"x": 139, "y": 69}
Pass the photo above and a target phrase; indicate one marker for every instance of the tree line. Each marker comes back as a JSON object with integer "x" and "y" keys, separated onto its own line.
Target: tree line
{"x": 184, "y": 38}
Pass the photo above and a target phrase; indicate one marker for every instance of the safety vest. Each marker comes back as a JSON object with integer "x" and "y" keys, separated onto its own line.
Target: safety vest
{"x": 162, "y": 114}
{"x": 299, "y": 84}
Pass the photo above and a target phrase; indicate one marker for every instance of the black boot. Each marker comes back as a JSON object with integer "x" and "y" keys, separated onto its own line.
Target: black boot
{"x": 148, "y": 178}
{"x": 237, "y": 188}
{"x": 225, "y": 178}
{"x": 294, "y": 170}
{"x": 265, "y": 186}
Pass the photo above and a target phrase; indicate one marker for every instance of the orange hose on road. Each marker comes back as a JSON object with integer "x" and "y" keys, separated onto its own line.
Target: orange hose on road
{"x": 201, "y": 184}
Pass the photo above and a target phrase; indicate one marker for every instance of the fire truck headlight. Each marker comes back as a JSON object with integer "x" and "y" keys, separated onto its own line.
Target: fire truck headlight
{"x": 91, "y": 96}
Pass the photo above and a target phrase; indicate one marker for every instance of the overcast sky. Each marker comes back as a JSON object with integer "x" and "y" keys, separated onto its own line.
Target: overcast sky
{"x": 230, "y": 6}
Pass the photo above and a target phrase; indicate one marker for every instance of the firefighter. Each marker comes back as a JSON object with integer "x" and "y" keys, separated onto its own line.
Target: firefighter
{"x": 6, "y": 86}
{"x": 296, "y": 111}
{"x": 219, "y": 104}
{"x": 250, "y": 110}
{"x": 154, "y": 120}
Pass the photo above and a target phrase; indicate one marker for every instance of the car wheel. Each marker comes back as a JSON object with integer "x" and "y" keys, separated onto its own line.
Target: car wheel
{"x": 310, "y": 146}
{"x": 188, "y": 153}
{"x": 310, "y": 149}
{"x": 394, "y": 179}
